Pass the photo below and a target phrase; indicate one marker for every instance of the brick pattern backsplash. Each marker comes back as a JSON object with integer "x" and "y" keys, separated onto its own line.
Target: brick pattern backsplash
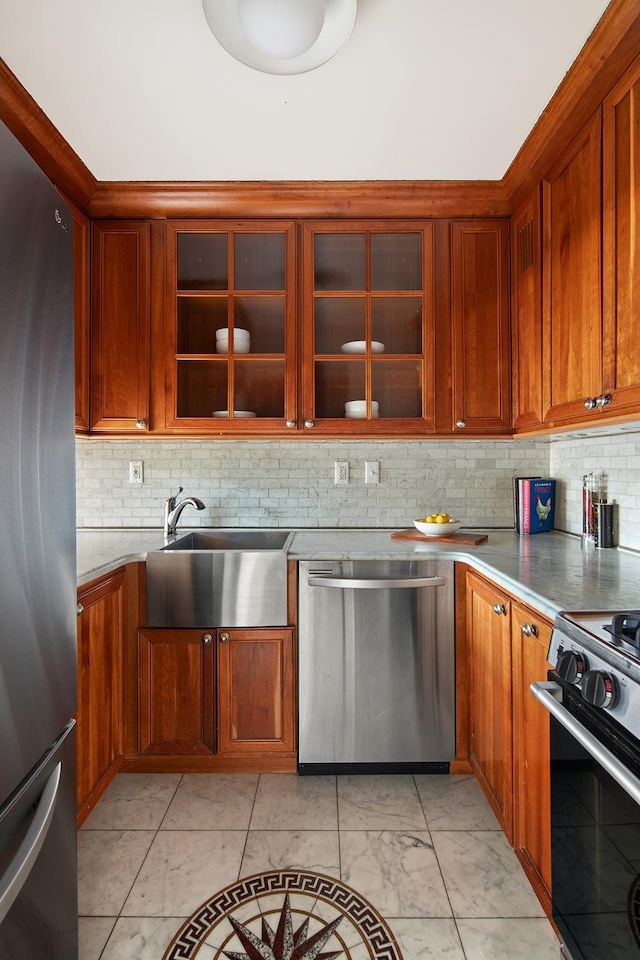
{"x": 290, "y": 484}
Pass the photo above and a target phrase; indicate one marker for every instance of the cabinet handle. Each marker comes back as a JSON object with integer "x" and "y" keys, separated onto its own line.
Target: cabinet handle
{"x": 141, "y": 424}
{"x": 291, "y": 423}
{"x": 207, "y": 638}
{"x": 603, "y": 400}
{"x": 590, "y": 403}
{"x": 309, "y": 423}
{"x": 529, "y": 629}
{"x": 224, "y": 637}
{"x": 461, "y": 423}
{"x": 79, "y": 609}
{"x": 500, "y": 609}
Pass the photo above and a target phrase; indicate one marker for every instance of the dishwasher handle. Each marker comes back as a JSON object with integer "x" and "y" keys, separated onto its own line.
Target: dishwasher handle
{"x": 376, "y": 583}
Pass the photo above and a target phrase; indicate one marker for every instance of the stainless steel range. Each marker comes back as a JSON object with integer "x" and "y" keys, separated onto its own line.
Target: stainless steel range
{"x": 593, "y": 696}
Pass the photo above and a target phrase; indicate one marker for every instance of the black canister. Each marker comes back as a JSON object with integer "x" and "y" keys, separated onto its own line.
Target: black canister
{"x": 603, "y": 516}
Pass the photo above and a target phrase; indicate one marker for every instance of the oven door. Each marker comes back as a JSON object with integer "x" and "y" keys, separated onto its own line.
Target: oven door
{"x": 595, "y": 828}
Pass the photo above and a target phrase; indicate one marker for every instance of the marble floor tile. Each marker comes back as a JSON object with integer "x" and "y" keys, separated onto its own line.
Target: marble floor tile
{"x": 508, "y": 939}
{"x": 422, "y": 938}
{"x": 455, "y": 803}
{"x": 483, "y": 876}
{"x": 108, "y": 863}
{"x": 285, "y": 801}
{"x": 93, "y": 933}
{"x": 141, "y": 938}
{"x": 315, "y": 850}
{"x": 396, "y": 871}
{"x": 134, "y": 801}
{"x": 212, "y": 801}
{"x": 183, "y": 869}
{"x": 388, "y": 802}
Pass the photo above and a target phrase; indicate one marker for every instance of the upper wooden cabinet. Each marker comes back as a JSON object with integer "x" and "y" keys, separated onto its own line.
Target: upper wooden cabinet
{"x": 621, "y": 234}
{"x": 480, "y": 318}
{"x": 526, "y": 313}
{"x": 81, "y": 315}
{"x": 368, "y": 327}
{"x": 240, "y": 279}
{"x": 120, "y": 326}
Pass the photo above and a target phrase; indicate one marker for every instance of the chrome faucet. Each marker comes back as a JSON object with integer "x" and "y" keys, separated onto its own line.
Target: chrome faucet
{"x": 173, "y": 509}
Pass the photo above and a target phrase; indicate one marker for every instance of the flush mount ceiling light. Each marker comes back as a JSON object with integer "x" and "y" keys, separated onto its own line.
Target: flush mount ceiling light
{"x": 281, "y": 36}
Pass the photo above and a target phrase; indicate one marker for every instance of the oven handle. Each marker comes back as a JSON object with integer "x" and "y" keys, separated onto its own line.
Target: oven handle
{"x": 381, "y": 583}
{"x": 550, "y": 696}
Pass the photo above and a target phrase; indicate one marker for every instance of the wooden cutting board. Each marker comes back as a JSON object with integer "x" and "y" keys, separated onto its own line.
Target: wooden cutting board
{"x": 468, "y": 538}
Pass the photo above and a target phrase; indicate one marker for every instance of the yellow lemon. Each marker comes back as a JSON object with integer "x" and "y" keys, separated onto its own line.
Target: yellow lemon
{"x": 431, "y": 518}
{"x": 442, "y": 518}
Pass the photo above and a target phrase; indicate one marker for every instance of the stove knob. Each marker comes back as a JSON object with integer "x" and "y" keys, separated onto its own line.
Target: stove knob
{"x": 600, "y": 689}
{"x": 571, "y": 666}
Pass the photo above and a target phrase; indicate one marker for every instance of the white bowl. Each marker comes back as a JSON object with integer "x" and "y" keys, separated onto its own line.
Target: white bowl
{"x": 360, "y": 346}
{"x": 237, "y": 414}
{"x": 240, "y": 346}
{"x": 223, "y": 333}
{"x": 357, "y": 409}
{"x": 437, "y": 529}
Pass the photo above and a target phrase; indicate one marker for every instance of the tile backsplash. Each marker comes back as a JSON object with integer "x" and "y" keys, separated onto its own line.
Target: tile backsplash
{"x": 275, "y": 483}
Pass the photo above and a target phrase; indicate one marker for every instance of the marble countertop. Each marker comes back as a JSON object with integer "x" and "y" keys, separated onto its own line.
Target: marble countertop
{"x": 551, "y": 572}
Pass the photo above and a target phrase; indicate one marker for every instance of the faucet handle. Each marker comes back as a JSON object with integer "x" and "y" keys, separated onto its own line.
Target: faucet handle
{"x": 171, "y": 501}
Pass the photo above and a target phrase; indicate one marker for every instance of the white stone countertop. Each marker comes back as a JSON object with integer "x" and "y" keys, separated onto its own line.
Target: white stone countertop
{"x": 551, "y": 571}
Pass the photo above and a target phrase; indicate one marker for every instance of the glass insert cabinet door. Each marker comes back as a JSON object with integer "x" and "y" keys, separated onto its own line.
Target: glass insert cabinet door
{"x": 368, "y": 339}
{"x": 231, "y": 326}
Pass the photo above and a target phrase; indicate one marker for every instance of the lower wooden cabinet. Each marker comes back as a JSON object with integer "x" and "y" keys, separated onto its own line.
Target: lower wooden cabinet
{"x": 208, "y": 693}
{"x": 101, "y": 609}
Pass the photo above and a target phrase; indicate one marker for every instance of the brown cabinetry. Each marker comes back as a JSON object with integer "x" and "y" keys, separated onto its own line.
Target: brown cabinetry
{"x": 526, "y": 314}
{"x": 120, "y": 326}
{"x": 101, "y": 625}
{"x": 216, "y": 693}
{"x": 480, "y": 319}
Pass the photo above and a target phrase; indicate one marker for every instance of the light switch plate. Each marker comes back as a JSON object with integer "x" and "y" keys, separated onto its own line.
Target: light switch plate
{"x": 371, "y": 471}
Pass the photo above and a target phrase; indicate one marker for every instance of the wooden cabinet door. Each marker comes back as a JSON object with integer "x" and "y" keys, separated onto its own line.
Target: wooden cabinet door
{"x": 176, "y": 671}
{"x": 621, "y": 232}
{"x": 571, "y": 279}
{"x": 526, "y": 317}
{"x": 256, "y": 691}
{"x": 120, "y": 326}
{"x": 532, "y": 762}
{"x": 100, "y": 685}
{"x": 81, "y": 315}
{"x": 489, "y": 649}
{"x": 480, "y": 318}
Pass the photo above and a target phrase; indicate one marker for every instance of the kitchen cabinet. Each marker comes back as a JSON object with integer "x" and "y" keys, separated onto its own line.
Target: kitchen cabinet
{"x": 571, "y": 281}
{"x": 526, "y": 313}
{"x": 621, "y": 244}
{"x": 480, "y": 323}
{"x": 368, "y": 327}
{"x": 531, "y": 634}
{"x": 120, "y": 326}
{"x": 488, "y": 618}
{"x": 101, "y": 627}
{"x": 81, "y": 315}
{"x": 218, "y": 693}
{"x": 230, "y": 276}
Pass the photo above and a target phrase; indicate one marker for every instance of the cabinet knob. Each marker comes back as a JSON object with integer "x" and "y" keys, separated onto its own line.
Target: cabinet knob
{"x": 291, "y": 423}
{"x": 500, "y": 609}
{"x": 141, "y": 424}
{"x": 79, "y": 609}
{"x": 590, "y": 403}
{"x": 603, "y": 400}
{"x": 207, "y": 638}
{"x": 461, "y": 423}
{"x": 529, "y": 629}
{"x": 224, "y": 637}
{"x": 308, "y": 424}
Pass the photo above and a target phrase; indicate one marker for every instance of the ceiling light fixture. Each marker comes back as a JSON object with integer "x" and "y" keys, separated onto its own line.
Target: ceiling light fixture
{"x": 281, "y": 36}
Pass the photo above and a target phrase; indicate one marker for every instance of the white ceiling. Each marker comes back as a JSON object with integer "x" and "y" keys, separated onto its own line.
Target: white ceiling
{"x": 424, "y": 90}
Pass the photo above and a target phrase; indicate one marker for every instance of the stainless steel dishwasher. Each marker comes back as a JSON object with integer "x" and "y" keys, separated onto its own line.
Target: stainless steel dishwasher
{"x": 376, "y": 666}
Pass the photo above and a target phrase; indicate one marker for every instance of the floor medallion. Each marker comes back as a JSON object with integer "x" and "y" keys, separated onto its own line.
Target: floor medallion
{"x": 285, "y": 915}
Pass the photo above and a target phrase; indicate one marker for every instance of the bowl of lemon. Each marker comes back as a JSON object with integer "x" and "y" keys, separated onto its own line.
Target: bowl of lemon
{"x": 437, "y": 525}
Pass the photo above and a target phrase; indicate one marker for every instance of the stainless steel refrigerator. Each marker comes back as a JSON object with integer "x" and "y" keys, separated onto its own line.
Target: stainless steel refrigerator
{"x": 38, "y": 898}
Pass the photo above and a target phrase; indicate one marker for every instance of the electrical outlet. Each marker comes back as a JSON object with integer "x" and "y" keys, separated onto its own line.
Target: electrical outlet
{"x": 341, "y": 471}
{"x": 371, "y": 471}
{"x": 136, "y": 472}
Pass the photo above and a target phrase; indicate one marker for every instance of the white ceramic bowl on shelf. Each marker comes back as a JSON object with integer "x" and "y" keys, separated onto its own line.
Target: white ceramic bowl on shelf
{"x": 357, "y": 409}
{"x": 222, "y": 333}
{"x": 437, "y": 529}
{"x": 360, "y": 346}
{"x": 237, "y": 414}
{"x": 239, "y": 346}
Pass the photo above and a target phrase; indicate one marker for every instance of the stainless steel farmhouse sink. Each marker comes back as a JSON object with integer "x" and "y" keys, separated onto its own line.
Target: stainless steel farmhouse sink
{"x": 221, "y": 578}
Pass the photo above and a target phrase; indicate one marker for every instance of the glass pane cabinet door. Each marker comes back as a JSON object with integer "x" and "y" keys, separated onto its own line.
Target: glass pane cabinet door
{"x": 368, "y": 338}
{"x": 231, "y": 327}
